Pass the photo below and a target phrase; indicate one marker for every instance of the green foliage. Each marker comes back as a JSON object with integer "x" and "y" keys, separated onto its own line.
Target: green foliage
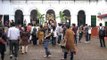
{"x": 0, "y": 23}
{"x": 40, "y": 17}
{"x": 62, "y": 17}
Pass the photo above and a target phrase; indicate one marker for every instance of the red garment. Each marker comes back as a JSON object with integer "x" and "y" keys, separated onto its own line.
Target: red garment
{"x": 2, "y": 41}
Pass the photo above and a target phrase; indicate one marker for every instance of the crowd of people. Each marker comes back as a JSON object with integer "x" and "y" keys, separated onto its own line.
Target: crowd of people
{"x": 66, "y": 35}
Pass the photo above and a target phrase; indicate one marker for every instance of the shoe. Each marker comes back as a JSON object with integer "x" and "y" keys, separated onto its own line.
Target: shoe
{"x": 86, "y": 42}
{"x": 63, "y": 59}
{"x": 11, "y": 56}
{"x": 45, "y": 56}
{"x": 49, "y": 55}
{"x": 22, "y": 53}
{"x": 25, "y": 52}
{"x": 15, "y": 58}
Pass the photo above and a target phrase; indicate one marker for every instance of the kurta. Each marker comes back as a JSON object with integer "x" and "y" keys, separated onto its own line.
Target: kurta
{"x": 69, "y": 36}
{"x": 40, "y": 35}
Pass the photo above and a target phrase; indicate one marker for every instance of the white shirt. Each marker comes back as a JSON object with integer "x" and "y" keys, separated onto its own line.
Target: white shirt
{"x": 89, "y": 31}
{"x": 13, "y": 33}
{"x": 55, "y": 34}
{"x": 59, "y": 30}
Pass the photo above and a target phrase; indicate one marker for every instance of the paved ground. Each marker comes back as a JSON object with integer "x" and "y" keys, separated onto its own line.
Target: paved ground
{"x": 90, "y": 51}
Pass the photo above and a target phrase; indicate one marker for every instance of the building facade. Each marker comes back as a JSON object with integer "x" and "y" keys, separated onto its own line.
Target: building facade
{"x": 78, "y": 12}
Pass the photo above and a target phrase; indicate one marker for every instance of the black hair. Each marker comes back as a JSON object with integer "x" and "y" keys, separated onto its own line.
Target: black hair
{"x": 41, "y": 26}
{"x": 54, "y": 28}
{"x": 100, "y": 24}
{"x": 73, "y": 24}
{"x": 1, "y": 31}
{"x": 13, "y": 24}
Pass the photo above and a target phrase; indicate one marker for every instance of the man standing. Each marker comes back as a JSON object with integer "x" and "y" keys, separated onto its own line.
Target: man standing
{"x": 86, "y": 28}
{"x": 74, "y": 29}
{"x": 13, "y": 35}
{"x": 59, "y": 33}
{"x": 101, "y": 35}
{"x": 46, "y": 40}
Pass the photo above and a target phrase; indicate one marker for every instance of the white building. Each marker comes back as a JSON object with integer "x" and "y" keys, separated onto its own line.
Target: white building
{"x": 78, "y": 11}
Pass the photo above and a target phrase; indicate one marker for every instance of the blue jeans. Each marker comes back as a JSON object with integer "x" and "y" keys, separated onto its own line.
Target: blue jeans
{"x": 59, "y": 39}
{"x": 53, "y": 41}
{"x": 45, "y": 45}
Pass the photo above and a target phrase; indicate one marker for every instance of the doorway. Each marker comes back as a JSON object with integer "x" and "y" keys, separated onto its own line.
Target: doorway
{"x": 67, "y": 16}
{"x": 6, "y": 20}
{"x": 81, "y": 18}
{"x": 19, "y": 17}
{"x": 33, "y": 17}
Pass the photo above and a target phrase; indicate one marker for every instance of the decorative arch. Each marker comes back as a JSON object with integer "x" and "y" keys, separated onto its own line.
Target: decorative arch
{"x": 19, "y": 17}
{"x": 67, "y": 16}
{"x": 50, "y": 15}
{"x": 33, "y": 17}
{"x": 81, "y": 18}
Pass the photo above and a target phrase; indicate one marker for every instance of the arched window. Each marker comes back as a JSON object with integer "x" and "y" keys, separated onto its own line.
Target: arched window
{"x": 19, "y": 17}
{"x": 67, "y": 16}
{"x": 33, "y": 17}
{"x": 81, "y": 18}
{"x": 50, "y": 15}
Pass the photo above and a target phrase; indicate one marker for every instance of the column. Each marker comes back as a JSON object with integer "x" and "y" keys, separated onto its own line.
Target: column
{"x": 88, "y": 19}
{"x": 11, "y": 17}
{"x": 27, "y": 18}
{"x": 74, "y": 19}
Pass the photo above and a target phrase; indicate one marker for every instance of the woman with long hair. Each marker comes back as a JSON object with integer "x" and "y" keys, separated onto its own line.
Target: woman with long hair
{"x": 24, "y": 40}
{"x": 70, "y": 45}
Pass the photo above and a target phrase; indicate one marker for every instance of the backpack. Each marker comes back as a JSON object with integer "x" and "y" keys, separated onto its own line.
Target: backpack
{"x": 34, "y": 31}
{"x": 101, "y": 32}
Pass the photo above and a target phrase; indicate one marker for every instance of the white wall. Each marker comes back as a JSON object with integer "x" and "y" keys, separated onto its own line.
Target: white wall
{"x": 92, "y": 8}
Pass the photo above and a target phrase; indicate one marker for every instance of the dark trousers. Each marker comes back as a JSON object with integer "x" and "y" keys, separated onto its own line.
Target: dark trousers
{"x": 59, "y": 39}
{"x": 75, "y": 37}
{"x": 102, "y": 42}
{"x": 14, "y": 47}
{"x": 34, "y": 39}
{"x": 71, "y": 55}
{"x": 80, "y": 36}
{"x": 2, "y": 55}
{"x": 87, "y": 36}
{"x": 2, "y": 51}
{"x": 53, "y": 40}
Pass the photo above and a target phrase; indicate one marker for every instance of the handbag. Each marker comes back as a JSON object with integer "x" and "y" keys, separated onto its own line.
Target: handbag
{"x": 2, "y": 41}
